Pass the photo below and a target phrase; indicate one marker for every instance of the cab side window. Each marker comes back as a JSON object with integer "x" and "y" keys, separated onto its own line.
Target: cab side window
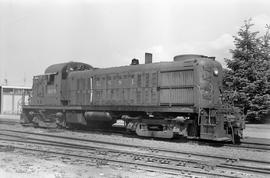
{"x": 50, "y": 80}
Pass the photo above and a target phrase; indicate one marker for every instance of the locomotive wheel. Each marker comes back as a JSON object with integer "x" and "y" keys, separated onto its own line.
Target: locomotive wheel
{"x": 35, "y": 121}
{"x": 237, "y": 139}
{"x": 69, "y": 126}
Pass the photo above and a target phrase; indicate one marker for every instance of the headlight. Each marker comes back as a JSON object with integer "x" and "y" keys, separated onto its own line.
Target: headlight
{"x": 215, "y": 72}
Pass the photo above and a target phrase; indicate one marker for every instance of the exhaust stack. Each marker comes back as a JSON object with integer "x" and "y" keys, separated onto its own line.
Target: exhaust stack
{"x": 148, "y": 58}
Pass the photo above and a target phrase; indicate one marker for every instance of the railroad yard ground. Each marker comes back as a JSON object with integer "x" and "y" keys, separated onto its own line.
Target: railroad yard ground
{"x": 59, "y": 160}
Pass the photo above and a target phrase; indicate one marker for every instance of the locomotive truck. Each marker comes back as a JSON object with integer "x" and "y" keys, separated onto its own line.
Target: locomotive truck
{"x": 183, "y": 97}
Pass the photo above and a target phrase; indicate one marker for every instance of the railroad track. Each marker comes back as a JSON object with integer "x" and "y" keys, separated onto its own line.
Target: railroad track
{"x": 9, "y": 122}
{"x": 249, "y": 145}
{"x": 105, "y": 157}
{"x": 187, "y": 161}
{"x": 244, "y": 144}
{"x": 255, "y": 146}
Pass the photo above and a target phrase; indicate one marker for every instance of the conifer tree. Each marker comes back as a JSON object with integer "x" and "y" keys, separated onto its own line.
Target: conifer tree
{"x": 249, "y": 72}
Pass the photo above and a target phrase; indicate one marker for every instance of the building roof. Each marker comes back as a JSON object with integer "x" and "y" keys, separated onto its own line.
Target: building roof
{"x": 15, "y": 87}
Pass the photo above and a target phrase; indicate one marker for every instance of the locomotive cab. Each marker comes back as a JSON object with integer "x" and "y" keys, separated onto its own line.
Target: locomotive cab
{"x": 51, "y": 88}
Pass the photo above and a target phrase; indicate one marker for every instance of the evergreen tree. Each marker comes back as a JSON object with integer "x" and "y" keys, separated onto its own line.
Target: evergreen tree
{"x": 249, "y": 72}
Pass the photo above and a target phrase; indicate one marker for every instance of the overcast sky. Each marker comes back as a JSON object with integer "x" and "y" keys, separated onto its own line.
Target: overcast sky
{"x": 35, "y": 34}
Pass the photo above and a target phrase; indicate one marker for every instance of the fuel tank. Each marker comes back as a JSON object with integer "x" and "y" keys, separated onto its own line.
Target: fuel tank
{"x": 97, "y": 116}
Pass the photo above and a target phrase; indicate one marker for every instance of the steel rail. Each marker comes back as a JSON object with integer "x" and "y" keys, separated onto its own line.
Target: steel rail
{"x": 153, "y": 167}
{"x": 134, "y": 146}
{"x": 243, "y": 144}
{"x": 222, "y": 165}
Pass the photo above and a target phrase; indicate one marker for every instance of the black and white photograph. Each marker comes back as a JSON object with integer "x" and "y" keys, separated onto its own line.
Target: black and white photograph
{"x": 134, "y": 88}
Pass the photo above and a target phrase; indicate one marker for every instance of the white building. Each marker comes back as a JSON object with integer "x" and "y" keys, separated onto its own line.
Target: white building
{"x": 12, "y": 98}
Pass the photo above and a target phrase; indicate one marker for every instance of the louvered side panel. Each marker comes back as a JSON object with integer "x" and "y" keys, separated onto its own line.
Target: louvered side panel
{"x": 176, "y": 96}
{"x": 176, "y": 87}
{"x": 176, "y": 78}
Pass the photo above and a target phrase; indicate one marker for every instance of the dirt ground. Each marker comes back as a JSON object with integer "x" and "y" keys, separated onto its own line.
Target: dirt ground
{"x": 15, "y": 164}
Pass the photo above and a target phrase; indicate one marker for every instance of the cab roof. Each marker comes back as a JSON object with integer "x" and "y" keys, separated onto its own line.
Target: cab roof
{"x": 59, "y": 68}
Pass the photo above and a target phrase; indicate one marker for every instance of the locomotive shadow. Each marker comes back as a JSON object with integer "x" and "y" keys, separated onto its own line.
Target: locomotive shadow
{"x": 212, "y": 143}
{"x": 172, "y": 140}
{"x": 121, "y": 131}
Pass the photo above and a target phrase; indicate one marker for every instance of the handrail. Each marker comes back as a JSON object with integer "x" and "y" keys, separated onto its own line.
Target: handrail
{"x": 199, "y": 114}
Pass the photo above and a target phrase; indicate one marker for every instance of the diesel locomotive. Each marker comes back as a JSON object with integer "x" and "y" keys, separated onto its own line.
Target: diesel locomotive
{"x": 183, "y": 97}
